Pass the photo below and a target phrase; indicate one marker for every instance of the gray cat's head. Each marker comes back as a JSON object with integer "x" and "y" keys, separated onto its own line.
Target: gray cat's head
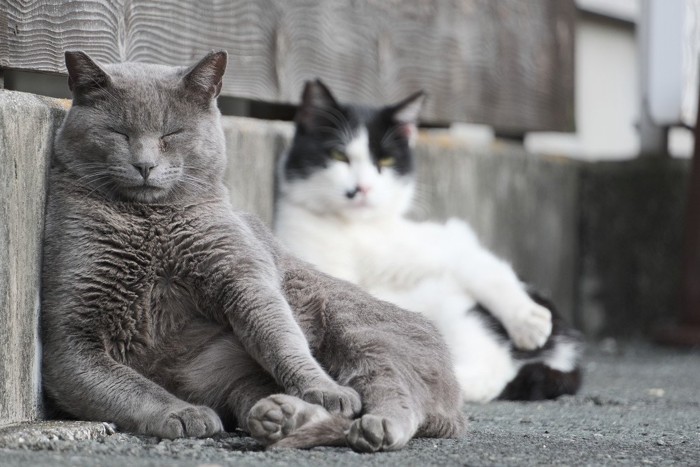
{"x": 351, "y": 161}
{"x": 145, "y": 133}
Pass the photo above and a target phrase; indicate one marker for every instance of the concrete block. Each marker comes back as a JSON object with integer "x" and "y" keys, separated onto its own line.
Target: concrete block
{"x": 253, "y": 146}
{"x": 27, "y": 125}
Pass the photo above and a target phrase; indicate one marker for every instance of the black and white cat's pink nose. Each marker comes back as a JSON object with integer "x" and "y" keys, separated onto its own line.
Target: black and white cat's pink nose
{"x": 361, "y": 189}
{"x": 144, "y": 168}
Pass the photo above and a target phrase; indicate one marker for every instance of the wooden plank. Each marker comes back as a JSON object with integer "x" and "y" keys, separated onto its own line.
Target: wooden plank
{"x": 507, "y": 63}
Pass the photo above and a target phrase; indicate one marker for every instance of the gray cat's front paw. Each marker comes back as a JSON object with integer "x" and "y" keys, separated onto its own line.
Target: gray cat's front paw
{"x": 188, "y": 421}
{"x": 372, "y": 433}
{"x": 336, "y": 399}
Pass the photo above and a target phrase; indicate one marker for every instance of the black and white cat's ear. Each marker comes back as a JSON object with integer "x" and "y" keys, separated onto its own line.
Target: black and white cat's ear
{"x": 206, "y": 76}
{"x": 84, "y": 75}
{"x": 317, "y": 94}
{"x": 408, "y": 110}
{"x": 315, "y": 99}
{"x": 406, "y": 114}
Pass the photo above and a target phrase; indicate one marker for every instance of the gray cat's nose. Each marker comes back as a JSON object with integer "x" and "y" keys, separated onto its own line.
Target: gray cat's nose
{"x": 145, "y": 168}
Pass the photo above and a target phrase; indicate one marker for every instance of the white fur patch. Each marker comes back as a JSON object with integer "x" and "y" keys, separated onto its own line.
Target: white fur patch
{"x": 564, "y": 356}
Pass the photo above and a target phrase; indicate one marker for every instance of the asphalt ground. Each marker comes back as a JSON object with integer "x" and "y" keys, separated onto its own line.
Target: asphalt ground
{"x": 640, "y": 405}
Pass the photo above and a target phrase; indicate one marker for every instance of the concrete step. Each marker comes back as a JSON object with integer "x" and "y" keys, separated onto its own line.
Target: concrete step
{"x": 601, "y": 239}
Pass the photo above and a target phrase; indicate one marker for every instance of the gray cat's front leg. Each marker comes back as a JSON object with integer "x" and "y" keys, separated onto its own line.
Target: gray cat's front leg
{"x": 263, "y": 321}
{"x": 92, "y": 386}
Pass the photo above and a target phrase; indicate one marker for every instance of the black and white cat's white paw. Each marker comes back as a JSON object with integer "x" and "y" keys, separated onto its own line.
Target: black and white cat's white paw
{"x": 372, "y": 433}
{"x": 530, "y": 327}
{"x": 183, "y": 422}
{"x": 275, "y": 417}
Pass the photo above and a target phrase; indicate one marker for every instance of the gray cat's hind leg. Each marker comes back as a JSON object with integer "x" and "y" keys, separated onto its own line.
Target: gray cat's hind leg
{"x": 276, "y": 417}
{"x": 391, "y": 418}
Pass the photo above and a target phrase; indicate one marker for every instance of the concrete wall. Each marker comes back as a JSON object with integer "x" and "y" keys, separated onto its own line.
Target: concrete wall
{"x": 523, "y": 207}
{"x": 27, "y": 124}
{"x": 606, "y": 95}
{"x": 253, "y": 147}
{"x": 602, "y": 239}
{"x": 631, "y": 222}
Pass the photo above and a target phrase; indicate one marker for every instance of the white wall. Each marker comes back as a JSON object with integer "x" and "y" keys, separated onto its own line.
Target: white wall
{"x": 606, "y": 95}
{"x": 607, "y": 85}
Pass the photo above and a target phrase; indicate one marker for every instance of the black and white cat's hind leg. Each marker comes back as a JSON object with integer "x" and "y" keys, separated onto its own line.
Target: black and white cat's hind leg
{"x": 554, "y": 369}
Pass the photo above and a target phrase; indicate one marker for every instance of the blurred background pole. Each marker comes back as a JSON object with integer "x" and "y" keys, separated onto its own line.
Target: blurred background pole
{"x": 653, "y": 138}
{"x": 687, "y": 332}
{"x": 661, "y": 36}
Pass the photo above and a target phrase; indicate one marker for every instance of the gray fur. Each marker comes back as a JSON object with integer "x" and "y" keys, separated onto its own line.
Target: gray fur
{"x": 166, "y": 312}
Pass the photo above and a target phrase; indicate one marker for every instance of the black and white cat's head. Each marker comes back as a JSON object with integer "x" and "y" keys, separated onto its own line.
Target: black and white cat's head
{"x": 351, "y": 161}
{"x": 140, "y": 132}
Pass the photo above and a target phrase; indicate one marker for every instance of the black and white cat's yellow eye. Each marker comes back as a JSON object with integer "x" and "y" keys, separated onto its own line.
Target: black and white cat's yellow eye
{"x": 339, "y": 156}
{"x": 387, "y": 162}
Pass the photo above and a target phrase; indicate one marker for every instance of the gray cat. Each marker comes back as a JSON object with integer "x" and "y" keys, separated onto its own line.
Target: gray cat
{"x": 169, "y": 314}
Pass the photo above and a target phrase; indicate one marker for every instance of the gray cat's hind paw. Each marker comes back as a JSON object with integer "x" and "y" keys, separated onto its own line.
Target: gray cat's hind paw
{"x": 276, "y": 416}
{"x": 190, "y": 421}
{"x": 372, "y": 433}
{"x": 337, "y": 399}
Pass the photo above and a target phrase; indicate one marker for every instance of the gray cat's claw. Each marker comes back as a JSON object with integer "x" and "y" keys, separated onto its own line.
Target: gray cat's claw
{"x": 191, "y": 421}
{"x": 340, "y": 400}
{"x": 372, "y": 433}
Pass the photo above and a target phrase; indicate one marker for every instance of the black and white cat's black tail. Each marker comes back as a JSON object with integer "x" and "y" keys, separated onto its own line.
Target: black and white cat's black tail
{"x": 551, "y": 371}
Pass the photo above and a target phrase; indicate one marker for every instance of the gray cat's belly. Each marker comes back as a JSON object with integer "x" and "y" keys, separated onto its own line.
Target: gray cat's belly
{"x": 166, "y": 327}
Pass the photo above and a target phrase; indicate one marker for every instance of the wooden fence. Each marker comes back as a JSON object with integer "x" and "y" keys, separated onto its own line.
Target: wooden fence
{"x": 505, "y": 63}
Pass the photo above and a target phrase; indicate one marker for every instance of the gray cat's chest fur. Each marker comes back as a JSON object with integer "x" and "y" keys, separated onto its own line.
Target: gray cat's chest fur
{"x": 138, "y": 264}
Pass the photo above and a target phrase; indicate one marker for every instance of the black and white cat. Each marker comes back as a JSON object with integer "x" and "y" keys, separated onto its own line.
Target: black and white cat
{"x": 345, "y": 186}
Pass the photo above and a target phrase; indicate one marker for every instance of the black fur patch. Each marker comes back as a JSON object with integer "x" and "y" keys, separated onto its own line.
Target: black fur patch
{"x": 535, "y": 380}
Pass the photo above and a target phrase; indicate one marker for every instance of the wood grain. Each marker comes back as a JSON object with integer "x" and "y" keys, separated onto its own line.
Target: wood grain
{"x": 506, "y": 63}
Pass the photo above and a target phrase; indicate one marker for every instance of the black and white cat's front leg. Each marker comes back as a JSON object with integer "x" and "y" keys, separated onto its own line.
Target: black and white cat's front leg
{"x": 493, "y": 283}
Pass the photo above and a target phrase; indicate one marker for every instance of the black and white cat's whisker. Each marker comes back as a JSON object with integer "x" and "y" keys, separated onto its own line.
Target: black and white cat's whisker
{"x": 390, "y": 134}
{"x": 336, "y": 117}
{"x": 421, "y": 196}
{"x": 336, "y": 137}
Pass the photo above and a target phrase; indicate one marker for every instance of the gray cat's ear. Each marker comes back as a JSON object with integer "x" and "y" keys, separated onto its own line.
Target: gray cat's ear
{"x": 408, "y": 110}
{"x": 206, "y": 77}
{"x": 84, "y": 75}
{"x": 315, "y": 98}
